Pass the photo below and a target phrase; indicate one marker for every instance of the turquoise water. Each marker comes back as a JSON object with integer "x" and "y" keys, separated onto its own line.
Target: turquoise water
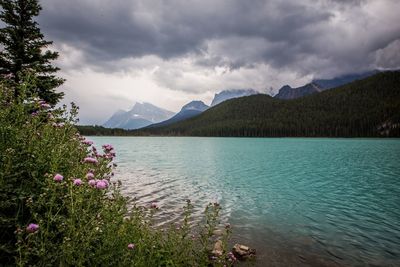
{"x": 298, "y": 201}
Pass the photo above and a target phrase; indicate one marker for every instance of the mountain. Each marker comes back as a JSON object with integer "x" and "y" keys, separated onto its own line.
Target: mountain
{"x": 287, "y": 92}
{"x": 319, "y": 85}
{"x": 325, "y": 84}
{"x": 189, "y": 110}
{"x": 141, "y": 115}
{"x": 232, "y": 93}
{"x": 363, "y": 108}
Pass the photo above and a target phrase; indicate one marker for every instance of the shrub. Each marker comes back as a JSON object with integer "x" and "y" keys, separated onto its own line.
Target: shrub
{"x": 61, "y": 206}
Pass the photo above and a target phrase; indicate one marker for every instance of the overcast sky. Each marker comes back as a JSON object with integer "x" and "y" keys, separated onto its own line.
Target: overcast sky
{"x": 169, "y": 52}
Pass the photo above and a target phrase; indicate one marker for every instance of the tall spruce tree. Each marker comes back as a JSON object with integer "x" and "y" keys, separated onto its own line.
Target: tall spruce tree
{"x": 24, "y": 50}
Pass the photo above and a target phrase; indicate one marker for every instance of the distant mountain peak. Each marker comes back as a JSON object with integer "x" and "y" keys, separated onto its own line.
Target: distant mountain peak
{"x": 231, "y": 93}
{"x": 120, "y": 111}
{"x": 318, "y": 85}
{"x": 195, "y": 105}
{"x": 286, "y": 87}
{"x": 188, "y": 111}
{"x": 141, "y": 115}
{"x": 287, "y": 92}
{"x": 368, "y": 107}
{"x": 343, "y": 79}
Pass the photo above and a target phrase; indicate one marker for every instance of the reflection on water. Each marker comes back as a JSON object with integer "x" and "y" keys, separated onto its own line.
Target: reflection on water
{"x": 300, "y": 202}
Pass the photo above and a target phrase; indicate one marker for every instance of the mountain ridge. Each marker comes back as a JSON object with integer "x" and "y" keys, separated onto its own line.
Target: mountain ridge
{"x": 287, "y": 92}
{"x": 141, "y": 115}
{"x": 326, "y": 84}
{"x": 231, "y": 93}
{"x": 319, "y": 85}
{"x": 189, "y": 110}
{"x": 368, "y": 107}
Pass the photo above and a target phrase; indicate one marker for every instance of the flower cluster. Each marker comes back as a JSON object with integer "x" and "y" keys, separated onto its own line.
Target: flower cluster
{"x": 231, "y": 257}
{"x": 77, "y": 182}
{"x": 102, "y": 184}
{"x": 90, "y": 175}
{"x": 90, "y": 160}
{"x": 32, "y": 227}
{"x": 58, "y": 178}
{"x": 87, "y": 142}
{"x": 44, "y": 105}
{"x": 108, "y": 147}
{"x": 108, "y": 152}
{"x": 92, "y": 183}
{"x": 58, "y": 125}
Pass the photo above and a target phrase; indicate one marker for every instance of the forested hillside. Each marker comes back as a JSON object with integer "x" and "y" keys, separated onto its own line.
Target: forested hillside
{"x": 364, "y": 108}
{"x": 100, "y": 130}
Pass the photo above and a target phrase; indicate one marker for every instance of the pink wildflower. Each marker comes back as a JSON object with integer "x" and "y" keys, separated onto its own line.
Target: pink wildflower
{"x": 32, "y": 227}
{"x": 58, "y": 177}
{"x": 77, "y": 182}
{"x": 108, "y": 147}
{"x": 45, "y": 105}
{"x": 92, "y": 183}
{"x": 231, "y": 256}
{"x": 90, "y": 160}
{"x": 90, "y": 175}
{"x": 109, "y": 156}
{"x": 102, "y": 184}
{"x": 153, "y": 205}
{"x": 87, "y": 142}
{"x": 131, "y": 246}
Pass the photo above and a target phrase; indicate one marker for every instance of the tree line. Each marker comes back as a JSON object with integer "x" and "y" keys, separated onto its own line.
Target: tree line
{"x": 364, "y": 108}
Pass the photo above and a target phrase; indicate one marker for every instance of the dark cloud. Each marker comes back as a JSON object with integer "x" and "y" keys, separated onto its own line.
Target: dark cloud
{"x": 306, "y": 36}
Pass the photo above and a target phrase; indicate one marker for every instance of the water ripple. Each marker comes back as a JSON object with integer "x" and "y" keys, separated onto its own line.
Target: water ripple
{"x": 300, "y": 202}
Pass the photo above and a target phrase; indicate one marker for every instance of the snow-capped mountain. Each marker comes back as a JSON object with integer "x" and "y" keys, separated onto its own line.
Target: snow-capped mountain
{"x": 195, "y": 105}
{"x": 232, "y": 93}
{"x": 189, "y": 110}
{"x": 141, "y": 115}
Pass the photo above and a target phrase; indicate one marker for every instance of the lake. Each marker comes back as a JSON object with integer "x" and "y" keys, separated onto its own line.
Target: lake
{"x": 298, "y": 201}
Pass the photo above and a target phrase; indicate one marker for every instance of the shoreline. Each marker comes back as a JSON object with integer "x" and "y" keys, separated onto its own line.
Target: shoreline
{"x": 247, "y": 137}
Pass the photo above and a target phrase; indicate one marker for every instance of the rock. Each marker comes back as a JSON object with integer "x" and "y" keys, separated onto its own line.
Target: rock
{"x": 218, "y": 232}
{"x": 243, "y": 252}
{"x": 218, "y": 249}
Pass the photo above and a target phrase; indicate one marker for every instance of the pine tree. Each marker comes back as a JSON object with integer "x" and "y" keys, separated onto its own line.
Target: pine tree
{"x": 24, "y": 50}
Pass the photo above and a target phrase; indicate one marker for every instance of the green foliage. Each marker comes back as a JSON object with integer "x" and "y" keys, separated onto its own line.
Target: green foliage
{"x": 25, "y": 50}
{"x": 86, "y": 222}
{"x": 365, "y": 108}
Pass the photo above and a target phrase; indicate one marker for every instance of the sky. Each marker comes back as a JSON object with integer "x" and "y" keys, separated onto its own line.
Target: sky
{"x": 114, "y": 53}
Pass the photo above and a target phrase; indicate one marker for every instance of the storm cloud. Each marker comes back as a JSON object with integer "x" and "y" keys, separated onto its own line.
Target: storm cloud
{"x": 199, "y": 47}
